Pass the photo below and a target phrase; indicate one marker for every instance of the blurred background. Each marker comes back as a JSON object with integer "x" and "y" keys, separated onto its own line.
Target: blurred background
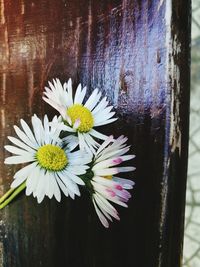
{"x": 191, "y": 252}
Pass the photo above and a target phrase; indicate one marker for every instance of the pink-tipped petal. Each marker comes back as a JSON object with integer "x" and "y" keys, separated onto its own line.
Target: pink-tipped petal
{"x": 77, "y": 123}
{"x": 118, "y": 187}
{"x": 117, "y": 161}
{"x": 111, "y": 192}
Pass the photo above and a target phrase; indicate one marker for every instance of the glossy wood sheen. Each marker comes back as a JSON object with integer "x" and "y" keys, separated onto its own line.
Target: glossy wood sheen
{"x": 137, "y": 52}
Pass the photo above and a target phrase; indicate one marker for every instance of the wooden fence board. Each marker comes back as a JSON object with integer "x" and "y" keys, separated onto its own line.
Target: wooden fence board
{"x": 137, "y": 52}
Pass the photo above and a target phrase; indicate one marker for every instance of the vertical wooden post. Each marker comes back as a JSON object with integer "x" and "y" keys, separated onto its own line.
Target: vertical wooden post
{"x": 137, "y": 52}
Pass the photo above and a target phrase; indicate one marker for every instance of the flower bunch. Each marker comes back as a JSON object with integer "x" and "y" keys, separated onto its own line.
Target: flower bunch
{"x": 61, "y": 155}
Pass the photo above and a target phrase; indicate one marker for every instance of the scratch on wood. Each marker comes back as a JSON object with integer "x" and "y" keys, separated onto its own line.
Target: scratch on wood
{"x": 164, "y": 192}
{"x": 1, "y": 254}
{"x": 89, "y": 27}
{"x": 30, "y": 86}
{"x": 6, "y": 43}
{"x": 2, "y": 119}
{"x": 114, "y": 11}
{"x": 3, "y": 95}
{"x": 160, "y": 4}
{"x": 22, "y": 7}
{"x": 175, "y": 133}
{"x": 2, "y": 17}
{"x": 174, "y": 49}
{"x": 77, "y": 39}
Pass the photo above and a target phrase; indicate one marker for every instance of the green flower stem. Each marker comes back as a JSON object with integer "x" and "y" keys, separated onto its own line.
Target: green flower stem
{"x": 6, "y": 195}
{"x": 12, "y": 196}
{"x": 87, "y": 180}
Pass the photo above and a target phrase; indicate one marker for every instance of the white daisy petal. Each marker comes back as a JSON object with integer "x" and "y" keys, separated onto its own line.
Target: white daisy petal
{"x": 18, "y": 159}
{"x": 107, "y": 163}
{"x": 46, "y": 130}
{"x": 28, "y": 191}
{"x": 83, "y": 145}
{"x": 77, "y": 95}
{"x": 105, "y": 122}
{"x": 104, "y": 181}
{"x": 71, "y": 142}
{"x": 62, "y": 186}
{"x": 74, "y": 178}
{"x": 55, "y": 137}
{"x": 82, "y": 96}
{"x": 106, "y": 206}
{"x": 103, "y": 117}
{"x": 102, "y": 208}
{"x": 17, "y": 151}
{"x": 68, "y": 119}
{"x": 46, "y": 182}
{"x": 57, "y": 193}
{"x": 69, "y": 183}
{"x": 104, "y": 145}
{"x": 71, "y": 194}
{"x": 18, "y": 143}
{"x": 40, "y": 189}
{"x": 79, "y": 159}
{"x": 77, "y": 171}
{"x": 69, "y": 87}
{"x": 77, "y": 123}
{"x": 90, "y": 143}
{"x": 101, "y": 106}
{"x": 24, "y": 138}
{"x": 98, "y": 135}
{"x": 90, "y": 140}
{"x": 127, "y": 157}
{"x": 40, "y": 197}
{"x": 33, "y": 179}
{"x": 100, "y": 215}
{"x": 126, "y": 169}
{"x": 51, "y": 185}
{"x": 55, "y": 105}
{"x": 124, "y": 182}
{"x": 106, "y": 172}
{"x": 117, "y": 201}
{"x": 91, "y": 100}
{"x": 61, "y": 127}
{"x": 29, "y": 183}
{"x": 53, "y": 88}
{"x": 112, "y": 153}
{"x": 27, "y": 131}
{"x": 25, "y": 171}
{"x": 37, "y": 129}
{"x": 17, "y": 182}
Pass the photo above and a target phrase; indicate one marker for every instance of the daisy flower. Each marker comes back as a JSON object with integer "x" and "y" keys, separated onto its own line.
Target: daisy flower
{"x": 52, "y": 167}
{"x": 80, "y": 117}
{"x": 106, "y": 185}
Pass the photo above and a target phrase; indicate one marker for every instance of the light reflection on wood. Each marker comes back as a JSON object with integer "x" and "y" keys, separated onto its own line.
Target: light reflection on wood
{"x": 2, "y": 17}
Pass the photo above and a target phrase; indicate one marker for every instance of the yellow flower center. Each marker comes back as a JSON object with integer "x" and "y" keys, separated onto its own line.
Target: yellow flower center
{"x": 52, "y": 158}
{"x": 82, "y": 113}
{"x": 109, "y": 177}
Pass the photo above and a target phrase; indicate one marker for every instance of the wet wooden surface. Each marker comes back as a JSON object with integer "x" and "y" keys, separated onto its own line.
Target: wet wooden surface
{"x": 137, "y": 52}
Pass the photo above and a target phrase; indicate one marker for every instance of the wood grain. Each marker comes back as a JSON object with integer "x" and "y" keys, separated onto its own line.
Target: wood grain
{"x": 137, "y": 52}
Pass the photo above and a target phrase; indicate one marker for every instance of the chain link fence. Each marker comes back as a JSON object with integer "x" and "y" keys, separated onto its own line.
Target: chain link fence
{"x": 191, "y": 252}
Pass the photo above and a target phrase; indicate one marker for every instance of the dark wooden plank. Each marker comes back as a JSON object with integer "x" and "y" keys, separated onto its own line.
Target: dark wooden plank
{"x": 137, "y": 52}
